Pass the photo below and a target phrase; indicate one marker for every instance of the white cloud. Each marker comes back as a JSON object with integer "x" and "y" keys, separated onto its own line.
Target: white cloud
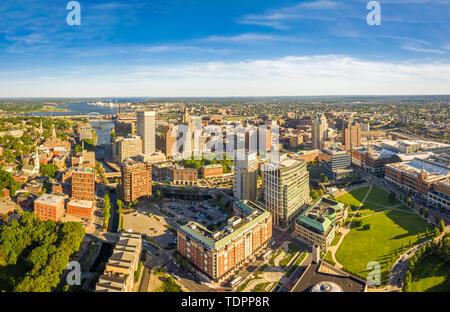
{"x": 250, "y": 38}
{"x": 418, "y": 48}
{"x": 291, "y": 75}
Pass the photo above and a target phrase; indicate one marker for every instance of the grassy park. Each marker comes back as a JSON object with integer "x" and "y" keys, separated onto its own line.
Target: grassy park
{"x": 382, "y": 241}
{"x": 431, "y": 275}
{"x": 354, "y": 197}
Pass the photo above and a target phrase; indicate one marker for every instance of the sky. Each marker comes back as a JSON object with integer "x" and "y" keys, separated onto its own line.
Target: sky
{"x": 164, "y": 48}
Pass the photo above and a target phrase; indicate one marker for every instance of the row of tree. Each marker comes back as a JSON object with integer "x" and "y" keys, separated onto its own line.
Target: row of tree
{"x": 440, "y": 249}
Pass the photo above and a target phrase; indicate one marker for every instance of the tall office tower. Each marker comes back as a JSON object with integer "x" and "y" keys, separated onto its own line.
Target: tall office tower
{"x": 286, "y": 190}
{"x": 124, "y": 148}
{"x": 136, "y": 180}
{"x": 146, "y": 123}
{"x": 351, "y": 135}
{"x": 319, "y": 131}
{"x": 245, "y": 176}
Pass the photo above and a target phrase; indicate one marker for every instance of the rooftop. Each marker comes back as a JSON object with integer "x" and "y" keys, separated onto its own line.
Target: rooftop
{"x": 48, "y": 199}
{"x": 318, "y": 274}
{"x": 235, "y": 227}
{"x": 320, "y": 216}
{"x": 81, "y": 203}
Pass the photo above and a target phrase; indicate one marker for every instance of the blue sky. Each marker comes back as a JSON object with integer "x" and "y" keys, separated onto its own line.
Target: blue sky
{"x": 223, "y": 48}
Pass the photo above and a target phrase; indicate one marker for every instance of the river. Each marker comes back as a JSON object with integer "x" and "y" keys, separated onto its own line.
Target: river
{"x": 83, "y": 108}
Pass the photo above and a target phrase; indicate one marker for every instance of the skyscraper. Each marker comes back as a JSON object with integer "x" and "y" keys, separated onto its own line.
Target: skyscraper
{"x": 245, "y": 176}
{"x": 286, "y": 190}
{"x": 146, "y": 121}
{"x": 351, "y": 135}
{"x": 319, "y": 131}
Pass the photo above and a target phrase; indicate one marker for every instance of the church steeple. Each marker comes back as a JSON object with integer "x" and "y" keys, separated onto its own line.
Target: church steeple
{"x": 53, "y": 132}
{"x": 36, "y": 161}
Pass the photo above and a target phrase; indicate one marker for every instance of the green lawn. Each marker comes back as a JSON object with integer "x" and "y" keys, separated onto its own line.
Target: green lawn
{"x": 354, "y": 197}
{"x": 261, "y": 287}
{"x": 389, "y": 230}
{"x": 431, "y": 275}
{"x": 381, "y": 197}
{"x": 369, "y": 209}
{"x": 336, "y": 239}
{"x": 329, "y": 259}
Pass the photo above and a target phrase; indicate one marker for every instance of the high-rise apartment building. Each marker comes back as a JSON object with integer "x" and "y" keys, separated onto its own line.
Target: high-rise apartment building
{"x": 319, "y": 131}
{"x": 286, "y": 189}
{"x": 146, "y": 123}
{"x": 218, "y": 254}
{"x": 245, "y": 176}
{"x": 136, "y": 180}
{"x": 83, "y": 192}
{"x": 83, "y": 183}
{"x": 351, "y": 135}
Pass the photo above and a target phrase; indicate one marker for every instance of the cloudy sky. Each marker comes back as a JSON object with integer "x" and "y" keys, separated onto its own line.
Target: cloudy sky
{"x": 223, "y": 48}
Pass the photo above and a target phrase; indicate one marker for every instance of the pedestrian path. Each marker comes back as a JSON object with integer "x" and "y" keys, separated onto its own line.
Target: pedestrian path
{"x": 345, "y": 231}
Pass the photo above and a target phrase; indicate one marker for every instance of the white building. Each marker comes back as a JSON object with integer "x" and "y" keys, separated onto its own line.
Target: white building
{"x": 146, "y": 123}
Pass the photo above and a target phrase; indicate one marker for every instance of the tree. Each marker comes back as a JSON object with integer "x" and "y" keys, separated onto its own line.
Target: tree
{"x": 78, "y": 149}
{"x": 49, "y": 170}
{"x": 119, "y": 206}
{"x": 313, "y": 193}
{"x": 392, "y": 196}
{"x": 421, "y": 211}
{"x": 441, "y": 226}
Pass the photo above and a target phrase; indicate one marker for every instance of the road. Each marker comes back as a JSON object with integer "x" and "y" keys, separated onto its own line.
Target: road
{"x": 143, "y": 286}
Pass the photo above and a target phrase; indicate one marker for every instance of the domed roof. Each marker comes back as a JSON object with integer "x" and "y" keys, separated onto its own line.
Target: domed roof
{"x": 326, "y": 287}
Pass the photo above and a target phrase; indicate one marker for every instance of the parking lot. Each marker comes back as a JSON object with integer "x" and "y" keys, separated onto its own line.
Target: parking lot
{"x": 202, "y": 212}
{"x": 146, "y": 224}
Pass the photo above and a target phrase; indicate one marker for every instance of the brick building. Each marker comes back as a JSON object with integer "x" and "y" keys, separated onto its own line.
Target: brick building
{"x": 49, "y": 207}
{"x": 83, "y": 183}
{"x": 212, "y": 171}
{"x": 136, "y": 180}
{"x": 219, "y": 254}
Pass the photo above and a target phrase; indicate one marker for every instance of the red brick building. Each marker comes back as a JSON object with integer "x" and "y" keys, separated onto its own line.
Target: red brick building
{"x": 184, "y": 176}
{"x": 417, "y": 176}
{"x": 80, "y": 208}
{"x": 136, "y": 180}
{"x": 83, "y": 183}
{"x": 49, "y": 207}
{"x": 219, "y": 254}
{"x": 212, "y": 171}
{"x": 83, "y": 192}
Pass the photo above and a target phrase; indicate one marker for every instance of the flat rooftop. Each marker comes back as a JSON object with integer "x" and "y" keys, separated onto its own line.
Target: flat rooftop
{"x": 48, "y": 199}
{"x": 235, "y": 226}
{"x": 81, "y": 203}
{"x": 84, "y": 170}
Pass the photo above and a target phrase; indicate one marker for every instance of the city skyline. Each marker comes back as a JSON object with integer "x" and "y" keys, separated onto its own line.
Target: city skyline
{"x": 194, "y": 48}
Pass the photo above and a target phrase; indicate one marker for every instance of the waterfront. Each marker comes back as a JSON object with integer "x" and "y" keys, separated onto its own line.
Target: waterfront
{"x": 102, "y": 130}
